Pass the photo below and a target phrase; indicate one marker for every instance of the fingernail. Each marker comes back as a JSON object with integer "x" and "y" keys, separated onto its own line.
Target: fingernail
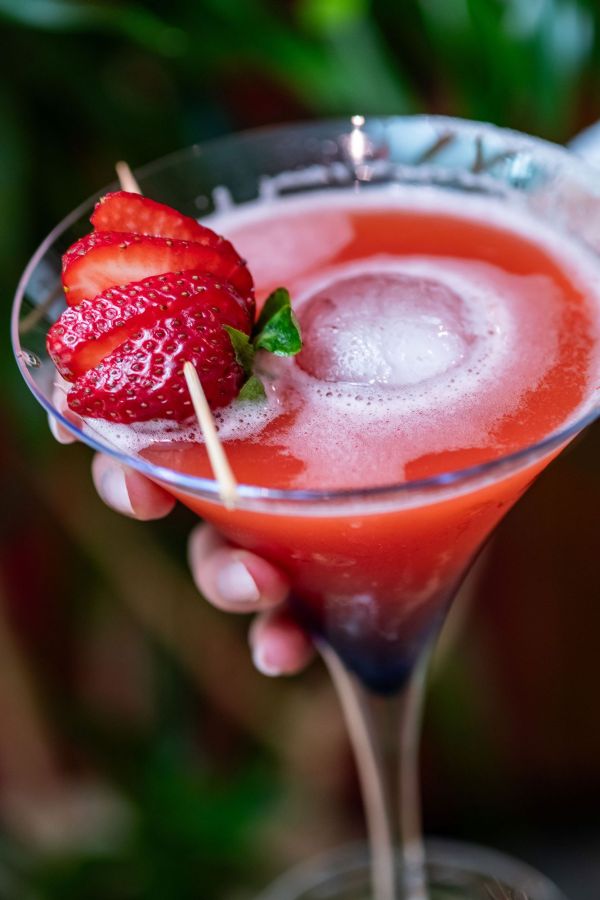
{"x": 235, "y": 584}
{"x": 113, "y": 490}
{"x": 261, "y": 660}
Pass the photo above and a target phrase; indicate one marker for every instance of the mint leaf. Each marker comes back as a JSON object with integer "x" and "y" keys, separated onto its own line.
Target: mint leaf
{"x": 276, "y": 330}
{"x": 281, "y": 334}
{"x": 242, "y": 347}
{"x": 274, "y": 302}
{"x": 252, "y": 389}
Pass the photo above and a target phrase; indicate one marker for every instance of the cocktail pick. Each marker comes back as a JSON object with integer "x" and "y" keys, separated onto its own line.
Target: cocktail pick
{"x": 216, "y": 453}
{"x": 222, "y": 471}
{"x": 126, "y": 178}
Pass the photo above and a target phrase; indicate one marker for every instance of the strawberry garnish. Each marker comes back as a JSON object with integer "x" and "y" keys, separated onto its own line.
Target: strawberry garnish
{"x": 105, "y": 259}
{"x": 124, "y": 211}
{"x": 86, "y": 333}
{"x": 136, "y": 363}
{"x": 148, "y": 291}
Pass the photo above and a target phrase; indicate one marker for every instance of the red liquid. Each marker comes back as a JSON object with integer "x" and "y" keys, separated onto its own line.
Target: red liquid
{"x": 376, "y": 581}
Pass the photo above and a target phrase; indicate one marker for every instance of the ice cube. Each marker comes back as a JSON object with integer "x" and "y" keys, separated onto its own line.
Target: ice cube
{"x": 384, "y": 328}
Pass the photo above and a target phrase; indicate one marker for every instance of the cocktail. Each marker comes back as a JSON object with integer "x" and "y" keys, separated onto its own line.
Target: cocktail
{"x": 446, "y": 280}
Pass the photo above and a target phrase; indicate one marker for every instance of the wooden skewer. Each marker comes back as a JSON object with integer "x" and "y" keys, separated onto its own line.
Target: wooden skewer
{"x": 126, "y": 178}
{"x": 222, "y": 471}
{"x": 216, "y": 454}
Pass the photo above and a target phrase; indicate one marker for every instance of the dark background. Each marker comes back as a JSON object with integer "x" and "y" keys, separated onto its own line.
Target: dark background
{"x": 141, "y": 758}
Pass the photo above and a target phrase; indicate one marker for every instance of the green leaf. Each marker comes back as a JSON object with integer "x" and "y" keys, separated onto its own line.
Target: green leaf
{"x": 252, "y": 389}
{"x": 242, "y": 347}
{"x": 277, "y": 329}
{"x": 274, "y": 302}
{"x": 281, "y": 335}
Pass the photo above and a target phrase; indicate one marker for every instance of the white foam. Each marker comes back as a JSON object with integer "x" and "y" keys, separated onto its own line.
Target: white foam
{"x": 383, "y": 327}
{"x": 496, "y": 352}
{"x": 240, "y": 420}
{"x": 278, "y": 251}
{"x": 432, "y": 352}
{"x": 245, "y": 222}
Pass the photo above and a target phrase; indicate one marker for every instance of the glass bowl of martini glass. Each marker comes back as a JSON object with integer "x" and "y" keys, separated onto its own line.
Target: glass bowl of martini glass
{"x": 447, "y": 281}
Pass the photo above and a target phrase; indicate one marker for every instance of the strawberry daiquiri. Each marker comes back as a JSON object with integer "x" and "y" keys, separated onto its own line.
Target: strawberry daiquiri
{"x": 438, "y": 335}
{"x": 397, "y": 327}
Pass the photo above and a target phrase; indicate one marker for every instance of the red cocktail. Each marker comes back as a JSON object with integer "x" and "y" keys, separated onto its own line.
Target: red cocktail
{"x": 446, "y": 278}
{"x": 438, "y": 336}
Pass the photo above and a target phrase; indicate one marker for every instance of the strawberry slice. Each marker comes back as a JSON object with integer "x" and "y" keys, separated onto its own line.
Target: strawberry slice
{"x": 105, "y": 259}
{"x": 86, "y": 333}
{"x": 143, "y": 378}
{"x": 123, "y": 211}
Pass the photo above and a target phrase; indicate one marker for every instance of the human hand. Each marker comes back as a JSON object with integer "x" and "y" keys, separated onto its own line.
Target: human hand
{"x": 230, "y": 578}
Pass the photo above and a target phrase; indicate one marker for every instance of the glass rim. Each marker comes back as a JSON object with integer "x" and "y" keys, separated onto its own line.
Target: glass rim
{"x": 208, "y": 487}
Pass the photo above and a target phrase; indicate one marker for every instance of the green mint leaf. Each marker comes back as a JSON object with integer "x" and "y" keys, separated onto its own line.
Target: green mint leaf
{"x": 281, "y": 334}
{"x": 280, "y": 331}
{"x": 276, "y": 330}
{"x": 274, "y": 302}
{"x": 242, "y": 347}
{"x": 252, "y": 389}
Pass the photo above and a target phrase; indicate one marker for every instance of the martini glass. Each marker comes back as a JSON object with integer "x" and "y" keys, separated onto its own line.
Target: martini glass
{"x": 420, "y": 537}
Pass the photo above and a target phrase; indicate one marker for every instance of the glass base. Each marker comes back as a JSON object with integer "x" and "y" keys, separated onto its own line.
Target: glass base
{"x": 455, "y": 871}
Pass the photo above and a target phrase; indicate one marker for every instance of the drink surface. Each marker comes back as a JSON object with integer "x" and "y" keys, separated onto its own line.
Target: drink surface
{"x": 438, "y": 334}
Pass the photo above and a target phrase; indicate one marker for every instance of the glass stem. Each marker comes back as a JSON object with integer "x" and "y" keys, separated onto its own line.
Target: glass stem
{"x": 384, "y": 732}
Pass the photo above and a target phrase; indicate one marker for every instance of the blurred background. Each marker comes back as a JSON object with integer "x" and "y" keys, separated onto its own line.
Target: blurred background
{"x": 141, "y": 757}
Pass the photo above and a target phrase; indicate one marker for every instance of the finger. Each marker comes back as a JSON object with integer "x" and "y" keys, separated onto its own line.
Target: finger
{"x": 59, "y": 432}
{"x": 233, "y": 579}
{"x": 128, "y": 492}
{"x": 59, "y": 401}
{"x": 279, "y": 645}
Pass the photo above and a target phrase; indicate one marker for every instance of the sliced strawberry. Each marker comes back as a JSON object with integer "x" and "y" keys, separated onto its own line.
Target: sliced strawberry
{"x": 85, "y": 333}
{"x": 105, "y": 259}
{"x": 122, "y": 211}
{"x": 143, "y": 378}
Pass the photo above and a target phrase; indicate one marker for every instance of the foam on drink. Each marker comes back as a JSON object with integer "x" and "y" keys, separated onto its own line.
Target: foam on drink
{"x": 429, "y": 353}
{"x": 405, "y": 355}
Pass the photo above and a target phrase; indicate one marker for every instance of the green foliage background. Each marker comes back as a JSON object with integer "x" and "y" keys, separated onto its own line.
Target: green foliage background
{"x": 192, "y": 792}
